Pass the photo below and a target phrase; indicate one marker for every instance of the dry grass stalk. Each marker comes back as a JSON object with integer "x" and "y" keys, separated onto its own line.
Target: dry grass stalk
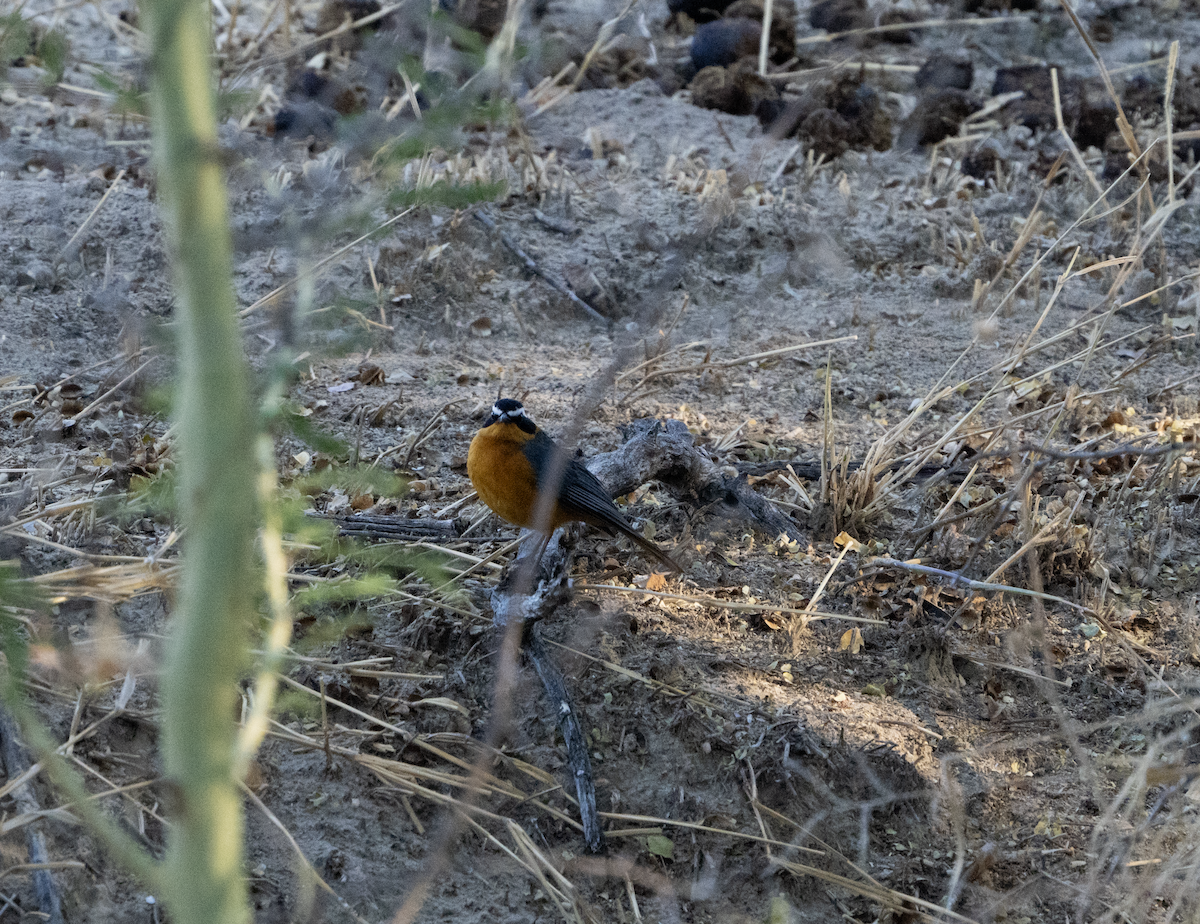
{"x": 898, "y": 903}
{"x": 733, "y": 606}
{"x": 108, "y": 394}
{"x": 1123, "y": 125}
{"x": 711, "y": 829}
{"x": 655, "y": 360}
{"x": 602, "y": 37}
{"x": 63, "y": 812}
{"x": 123, "y": 791}
{"x": 876, "y": 490}
{"x": 708, "y": 364}
{"x": 955, "y": 578}
{"x": 501, "y": 553}
{"x": 312, "y": 273}
{"x": 764, "y": 41}
{"x": 904, "y": 27}
{"x": 548, "y": 875}
{"x": 68, "y": 249}
{"x": 940, "y": 390}
{"x": 30, "y": 867}
{"x": 111, "y": 584}
{"x": 294, "y": 50}
{"x": 850, "y": 65}
{"x": 52, "y": 510}
{"x": 313, "y": 875}
{"x": 1069, "y": 141}
{"x": 486, "y": 783}
{"x": 691, "y": 696}
{"x": 1169, "y": 117}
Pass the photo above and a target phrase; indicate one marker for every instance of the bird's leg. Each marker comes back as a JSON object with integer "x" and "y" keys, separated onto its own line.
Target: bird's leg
{"x": 536, "y": 557}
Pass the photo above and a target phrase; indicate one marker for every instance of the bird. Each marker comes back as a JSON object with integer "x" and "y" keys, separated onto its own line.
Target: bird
{"x": 509, "y": 462}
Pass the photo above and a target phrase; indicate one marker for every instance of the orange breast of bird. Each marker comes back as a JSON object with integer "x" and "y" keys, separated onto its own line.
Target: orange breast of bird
{"x": 502, "y": 473}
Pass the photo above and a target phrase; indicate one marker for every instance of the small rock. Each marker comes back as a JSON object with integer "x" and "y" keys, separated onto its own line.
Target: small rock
{"x": 699, "y": 10}
{"x": 1088, "y": 113}
{"x": 738, "y": 91}
{"x": 782, "y": 46}
{"x": 482, "y": 16}
{"x": 329, "y": 90}
{"x": 839, "y": 15}
{"x": 583, "y": 282}
{"x": 35, "y": 273}
{"x": 938, "y": 116}
{"x": 1142, "y": 97}
{"x": 998, "y": 6}
{"x": 944, "y": 72}
{"x": 725, "y": 41}
{"x": 825, "y": 132}
{"x": 1095, "y": 118}
{"x": 898, "y": 18}
{"x": 982, "y": 162}
{"x": 1036, "y": 109}
{"x": 1101, "y": 29}
{"x": 870, "y": 123}
{"x": 305, "y": 119}
{"x": 862, "y": 121}
{"x": 336, "y": 13}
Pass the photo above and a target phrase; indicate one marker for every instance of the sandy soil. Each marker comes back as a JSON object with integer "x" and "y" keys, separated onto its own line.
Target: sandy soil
{"x": 1022, "y": 759}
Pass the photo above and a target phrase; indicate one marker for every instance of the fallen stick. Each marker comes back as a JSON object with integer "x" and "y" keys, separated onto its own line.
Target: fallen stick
{"x": 666, "y": 452}
{"x": 484, "y": 219}
{"x": 573, "y": 737}
{"x": 16, "y": 762}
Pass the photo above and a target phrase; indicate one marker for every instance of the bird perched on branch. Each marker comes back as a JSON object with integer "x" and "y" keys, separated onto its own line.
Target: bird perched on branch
{"x": 511, "y": 460}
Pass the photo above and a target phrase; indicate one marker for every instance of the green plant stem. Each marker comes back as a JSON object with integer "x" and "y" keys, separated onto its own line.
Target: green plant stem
{"x": 279, "y": 627}
{"x": 206, "y": 654}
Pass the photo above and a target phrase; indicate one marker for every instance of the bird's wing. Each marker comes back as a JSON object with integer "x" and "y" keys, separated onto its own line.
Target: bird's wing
{"x": 580, "y": 493}
{"x": 581, "y": 496}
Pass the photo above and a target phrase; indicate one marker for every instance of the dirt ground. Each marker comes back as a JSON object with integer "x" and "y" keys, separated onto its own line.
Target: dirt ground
{"x": 792, "y": 730}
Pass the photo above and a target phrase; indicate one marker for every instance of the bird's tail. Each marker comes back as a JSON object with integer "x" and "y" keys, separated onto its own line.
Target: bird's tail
{"x": 653, "y": 550}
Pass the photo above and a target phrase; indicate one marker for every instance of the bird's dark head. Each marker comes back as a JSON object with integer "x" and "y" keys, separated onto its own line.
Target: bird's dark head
{"x": 510, "y": 410}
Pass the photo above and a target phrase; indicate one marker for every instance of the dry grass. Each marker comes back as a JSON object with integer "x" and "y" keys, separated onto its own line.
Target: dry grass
{"x": 984, "y": 527}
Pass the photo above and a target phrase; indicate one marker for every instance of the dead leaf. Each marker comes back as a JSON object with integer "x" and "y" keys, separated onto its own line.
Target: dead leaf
{"x": 844, "y": 539}
{"x": 370, "y": 374}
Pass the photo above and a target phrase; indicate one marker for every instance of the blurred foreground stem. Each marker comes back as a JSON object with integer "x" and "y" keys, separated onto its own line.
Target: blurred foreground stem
{"x": 206, "y": 655}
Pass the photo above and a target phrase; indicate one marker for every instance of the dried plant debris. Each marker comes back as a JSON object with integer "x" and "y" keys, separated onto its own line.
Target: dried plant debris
{"x": 737, "y": 90}
{"x": 927, "y": 451}
{"x": 781, "y": 43}
{"x": 832, "y": 117}
{"x": 939, "y": 115}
